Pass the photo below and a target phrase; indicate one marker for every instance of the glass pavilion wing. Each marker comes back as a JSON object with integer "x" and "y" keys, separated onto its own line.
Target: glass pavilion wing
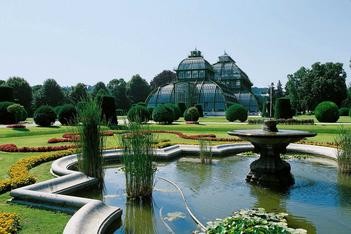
{"x": 248, "y": 100}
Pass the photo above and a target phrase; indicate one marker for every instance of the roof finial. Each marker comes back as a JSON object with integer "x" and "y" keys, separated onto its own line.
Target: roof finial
{"x": 225, "y": 52}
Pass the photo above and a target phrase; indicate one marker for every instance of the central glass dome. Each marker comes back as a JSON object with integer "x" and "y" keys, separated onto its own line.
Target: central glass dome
{"x": 212, "y": 87}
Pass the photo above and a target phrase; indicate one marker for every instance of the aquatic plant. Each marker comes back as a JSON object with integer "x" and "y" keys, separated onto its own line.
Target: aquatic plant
{"x": 343, "y": 143}
{"x": 91, "y": 141}
{"x": 253, "y": 221}
{"x": 137, "y": 158}
{"x": 205, "y": 152}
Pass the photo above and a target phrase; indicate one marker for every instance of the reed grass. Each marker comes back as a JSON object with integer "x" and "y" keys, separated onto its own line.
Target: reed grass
{"x": 138, "y": 161}
{"x": 91, "y": 141}
{"x": 343, "y": 143}
{"x": 205, "y": 152}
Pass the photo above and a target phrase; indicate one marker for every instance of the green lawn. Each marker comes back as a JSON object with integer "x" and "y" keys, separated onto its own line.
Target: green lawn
{"x": 39, "y": 221}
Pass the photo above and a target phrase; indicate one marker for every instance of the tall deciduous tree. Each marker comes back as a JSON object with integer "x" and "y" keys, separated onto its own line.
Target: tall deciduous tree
{"x": 165, "y": 77}
{"x": 137, "y": 89}
{"x": 323, "y": 82}
{"x": 22, "y": 92}
{"x": 118, "y": 89}
{"x": 78, "y": 93}
{"x": 99, "y": 88}
{"x": 50, "y": 94}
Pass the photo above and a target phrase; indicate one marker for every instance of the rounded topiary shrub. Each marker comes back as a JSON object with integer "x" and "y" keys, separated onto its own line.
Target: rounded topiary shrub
{"x": 45, "y": 116}
{"x": 18, "y": 111}
{"x": 5, "y": 116}
{"x": 68, "y": 114}
{"x": 191, "y": 114}
{"x": 176, "y": 111}
{"x": 57, "y": 109}
{"x": 163, "y": 114}
{"x": 138, "y": 114}
{"x": 236, "y": 112}
{"x": 108, "y": 109}
{"x": 327, "y": 112}
{"x": 182, "y": 108}
{"x": 283, "y": 109}
{"x": 344, "y": 111}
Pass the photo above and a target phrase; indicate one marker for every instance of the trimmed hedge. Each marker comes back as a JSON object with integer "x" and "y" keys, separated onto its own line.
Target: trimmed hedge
{"x": 284, "y": 121}
{"x": 283, "y": 109}
{"x": 176, "y": 111}
{"x": 182, "y": 108}
{"x": 191, "y": 114}
{"x": 163, "y": 114}
{"x": 18, "y": 111}
{"x": 108, "y": 110}
{"x": 344, "y": 111}
{"x": 5, "y": 116}
{"x": 45, "y": 116}
{"x": 327, "y": 112}
{"x": 139, "y": 114}
{"x": 68, "y": 114}
{"x": 200, "y": 110}
{"x": 236, "y": 112}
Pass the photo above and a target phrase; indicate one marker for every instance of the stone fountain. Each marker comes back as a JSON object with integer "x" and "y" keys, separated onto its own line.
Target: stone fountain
{"x": 270, "y": 170}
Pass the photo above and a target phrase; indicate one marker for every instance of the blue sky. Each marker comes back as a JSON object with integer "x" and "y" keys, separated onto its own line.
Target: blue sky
{"x": 90, "y": 41}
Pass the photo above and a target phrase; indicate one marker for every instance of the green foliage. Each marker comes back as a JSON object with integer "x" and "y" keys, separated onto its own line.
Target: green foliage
{"x": 51, "y": 93}
{"x": 182, "y": 108}
{"x": 99, "y": 90}
{"x": 322, "y": 82}
{"x": 108, "y": 109}
{"x": 165, "y": 77}
{"x": 251, "y": 222}
{"x": 137, "y": 89}
{"x": 236, "y": 112}
{"x": 18, "y": 111}
{"x": 45, "y": 116}
{"x": 22, "y": 92}
{"x": 57, "y": 109}
{"x": 5, "y": 116}
{"x": 327, "y": 112}
{"x": 67, "y": 114}
{"x": 175, "y": 109}
{"x": 191, "y": 114}
{"x": 137, "y": 158}
{"x": 200, "y": 110}
{"x": 6, "y": 94}
{"x": 139, "y": 114}
{"x": 78, "y": 93}
{"x": 150, "y": 110}
{"x": 118, "y": 89}
{"x": 344, "y": 111}
{"x": 163, "y": 114}
{"x": 91, "y": 141}
{"x": 343, "y": 143}
{"x": 283, "y": 109}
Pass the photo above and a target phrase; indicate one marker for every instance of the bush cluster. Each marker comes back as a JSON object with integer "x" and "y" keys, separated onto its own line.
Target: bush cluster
{"x": 236, "y": 112}
{"x": 67, "y": 114}
{"x": 344, "y": 111}
{"x": 45, "y": 116}
{"x": 138, "y": 114}
{"x": 327, "y": 112}
{"x": 6, "y": 94}
{"x": 5, "y": 116}
{"x": 9, "y": 223}
{"x": 163, "y": 114}
{"x": 191, "y": 114}
{"x": 18, "y": 112}
{"x": 283, "y": 109}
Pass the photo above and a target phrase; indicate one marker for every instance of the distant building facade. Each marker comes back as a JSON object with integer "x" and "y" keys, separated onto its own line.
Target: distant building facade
{"x": 214, "y": 87}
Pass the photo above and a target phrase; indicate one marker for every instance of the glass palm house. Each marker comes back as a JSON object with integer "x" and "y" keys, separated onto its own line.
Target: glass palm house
{"x": 214, "y": 87}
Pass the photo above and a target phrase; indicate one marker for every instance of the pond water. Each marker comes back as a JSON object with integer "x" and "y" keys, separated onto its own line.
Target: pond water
{"x": 320, "y": 200}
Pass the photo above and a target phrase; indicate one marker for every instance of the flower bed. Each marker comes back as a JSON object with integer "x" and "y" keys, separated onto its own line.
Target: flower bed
{"x": 208, "y": 137}
{"x": 19, "y": 172}
{"x": 9, "y": 223}
{"x": 74, "y": 137}
{"x": 21, "y": 126}
{"x": 14, "y": 148}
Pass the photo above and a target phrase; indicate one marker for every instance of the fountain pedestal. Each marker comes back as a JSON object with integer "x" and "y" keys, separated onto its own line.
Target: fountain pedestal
{"x": 270, "y": 170}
